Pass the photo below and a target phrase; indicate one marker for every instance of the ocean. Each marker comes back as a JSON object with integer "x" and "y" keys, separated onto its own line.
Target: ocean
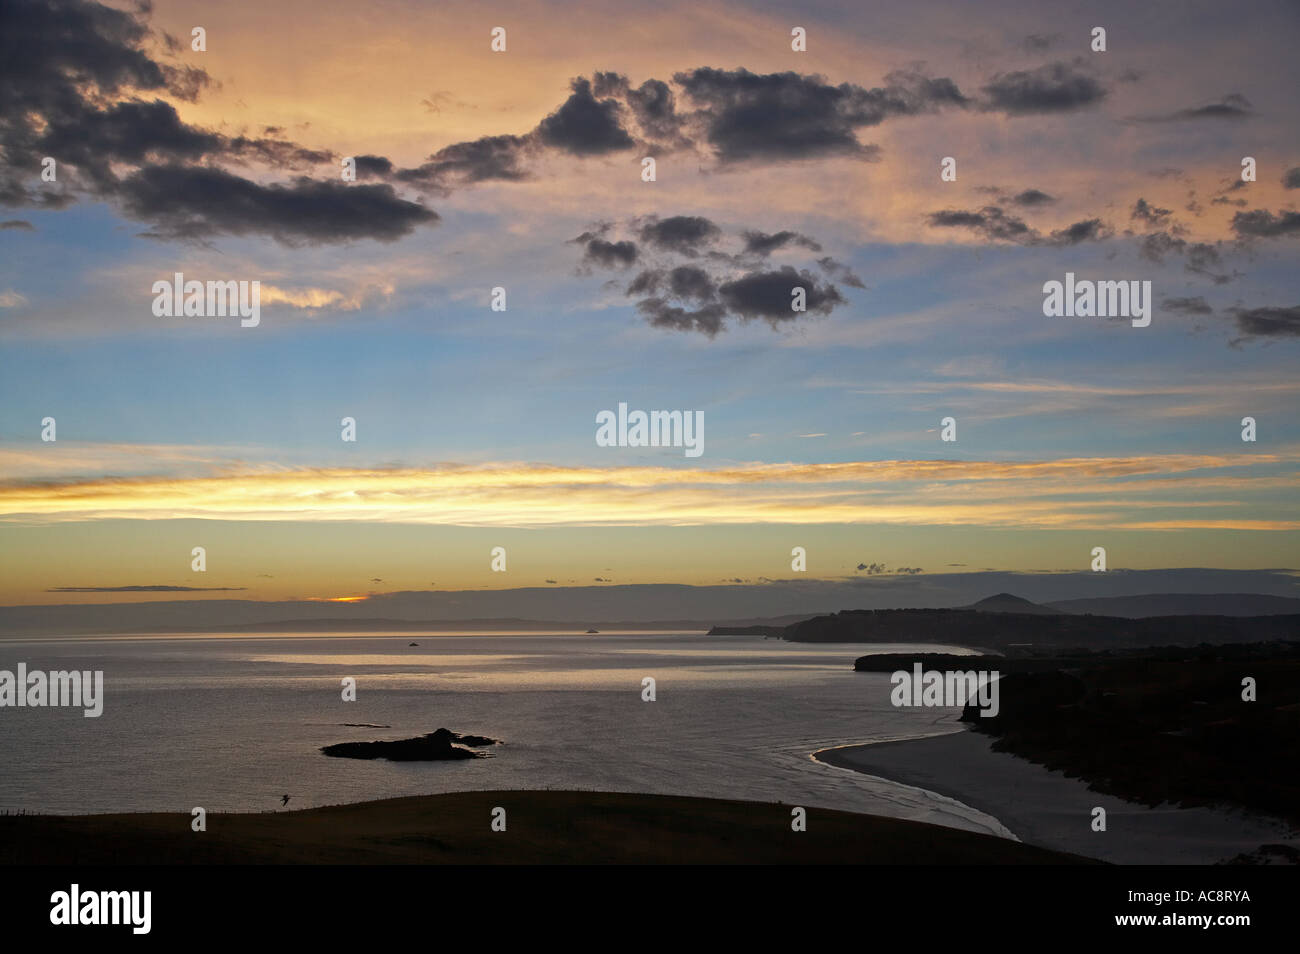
{"x": 234, "y": 722}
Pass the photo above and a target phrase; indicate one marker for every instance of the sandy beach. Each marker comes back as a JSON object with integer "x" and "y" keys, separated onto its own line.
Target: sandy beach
{"x": 1051, "y": 810}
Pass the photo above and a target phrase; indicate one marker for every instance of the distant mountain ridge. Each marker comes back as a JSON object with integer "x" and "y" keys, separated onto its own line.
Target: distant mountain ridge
{"x": 1038, "y": 632}
{"x": 759, "y": 610}
{"x": 1146, "y": 605}
{"x": 644, "y": 605}
{"x": 1183, "y": 604}
{"x": 1007, "y": 603}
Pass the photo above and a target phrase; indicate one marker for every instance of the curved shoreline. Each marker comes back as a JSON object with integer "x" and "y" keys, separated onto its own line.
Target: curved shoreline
{"x": 847, "y": 757}
{"x": 1045, "y": 808}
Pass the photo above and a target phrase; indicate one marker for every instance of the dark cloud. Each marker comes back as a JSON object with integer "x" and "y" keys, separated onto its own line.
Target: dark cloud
{"x": 764, "y": 244}
{"x": 683, "y": 234}
{"x": 1292, "y": 179}
{"x": 707, "y": 320}
{"x": 610, "y": 254}
{"x": 489, "y": 158}
{"x": 995, "y": 225}
{"x": 1232, "y": 106}
{"x": 280, "y": 153}
{"x": 1032, "y": 198}
{"x": 592, "y": 121}
{"x": 196, "y": 202}
{"x": 701, "y": 293}
{"x": 63, "y": 68}
{"x": 597, "y": 230}
{"x": 653, "y": 106}
{"x": 54, "y": 54}
{"x": 1187, "y": 306}
{"x": 127, "y": 132}
{"x": 691, "y": 283}
{"x": 585, "y": 125}
{"x": 647, "y": 283}
{"x": 373, "y": 167}
{"x": 77, "y": 84}
{"x": 840, "y": 272}
{"x": 768, "y": 295}
{"x": 1157, "y": 245}
{"x": 606, "y": 84}
{"x": 1268, "y": 322}
{"x": 1261, "y": 223}
{"x": 134, "y": 131}
{"x": 783, "y": 116}
{"x": 1148, "y": 213}
{"x": 990, "y": 222}
{"x": 1088, "y": 230}
{"x": 1204, "y": 259}
{"x": 20, "y": 224}
{"x": 1052, "y": 88}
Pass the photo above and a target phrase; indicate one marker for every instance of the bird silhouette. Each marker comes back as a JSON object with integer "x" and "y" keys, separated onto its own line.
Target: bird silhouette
{"x": 284, "y": 801}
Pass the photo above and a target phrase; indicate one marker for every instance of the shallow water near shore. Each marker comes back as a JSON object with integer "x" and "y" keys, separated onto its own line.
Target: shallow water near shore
{"x": 1051, "y": 810}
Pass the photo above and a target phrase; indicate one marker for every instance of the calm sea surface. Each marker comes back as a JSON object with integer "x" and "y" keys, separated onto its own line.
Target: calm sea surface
{"x": 231, "y": 723}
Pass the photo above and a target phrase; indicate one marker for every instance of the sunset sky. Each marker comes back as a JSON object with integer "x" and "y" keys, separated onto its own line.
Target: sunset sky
{"x": 522, "y": 169}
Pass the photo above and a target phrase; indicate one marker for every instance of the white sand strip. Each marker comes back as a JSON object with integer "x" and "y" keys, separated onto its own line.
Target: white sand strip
{"x": 1046, "y": 808}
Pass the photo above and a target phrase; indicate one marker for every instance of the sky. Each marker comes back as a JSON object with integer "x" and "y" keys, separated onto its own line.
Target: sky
{"x": 523, "y": 169}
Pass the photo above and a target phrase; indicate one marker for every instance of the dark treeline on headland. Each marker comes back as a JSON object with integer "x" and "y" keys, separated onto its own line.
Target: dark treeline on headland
{"x": 1193, "y": 726}
{"x": 1033, "y": 634}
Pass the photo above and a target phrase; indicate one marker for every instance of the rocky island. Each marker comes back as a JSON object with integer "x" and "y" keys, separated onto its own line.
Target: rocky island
{"x": 439, "y": 745}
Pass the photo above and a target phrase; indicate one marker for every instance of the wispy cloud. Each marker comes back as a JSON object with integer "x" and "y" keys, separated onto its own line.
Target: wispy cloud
{"x": 152, "y": 588}
{"x": 1071, "y": 492}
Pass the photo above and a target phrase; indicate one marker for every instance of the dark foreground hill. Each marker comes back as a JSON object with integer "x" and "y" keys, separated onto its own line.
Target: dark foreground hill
{"x": 542, "y": 827}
